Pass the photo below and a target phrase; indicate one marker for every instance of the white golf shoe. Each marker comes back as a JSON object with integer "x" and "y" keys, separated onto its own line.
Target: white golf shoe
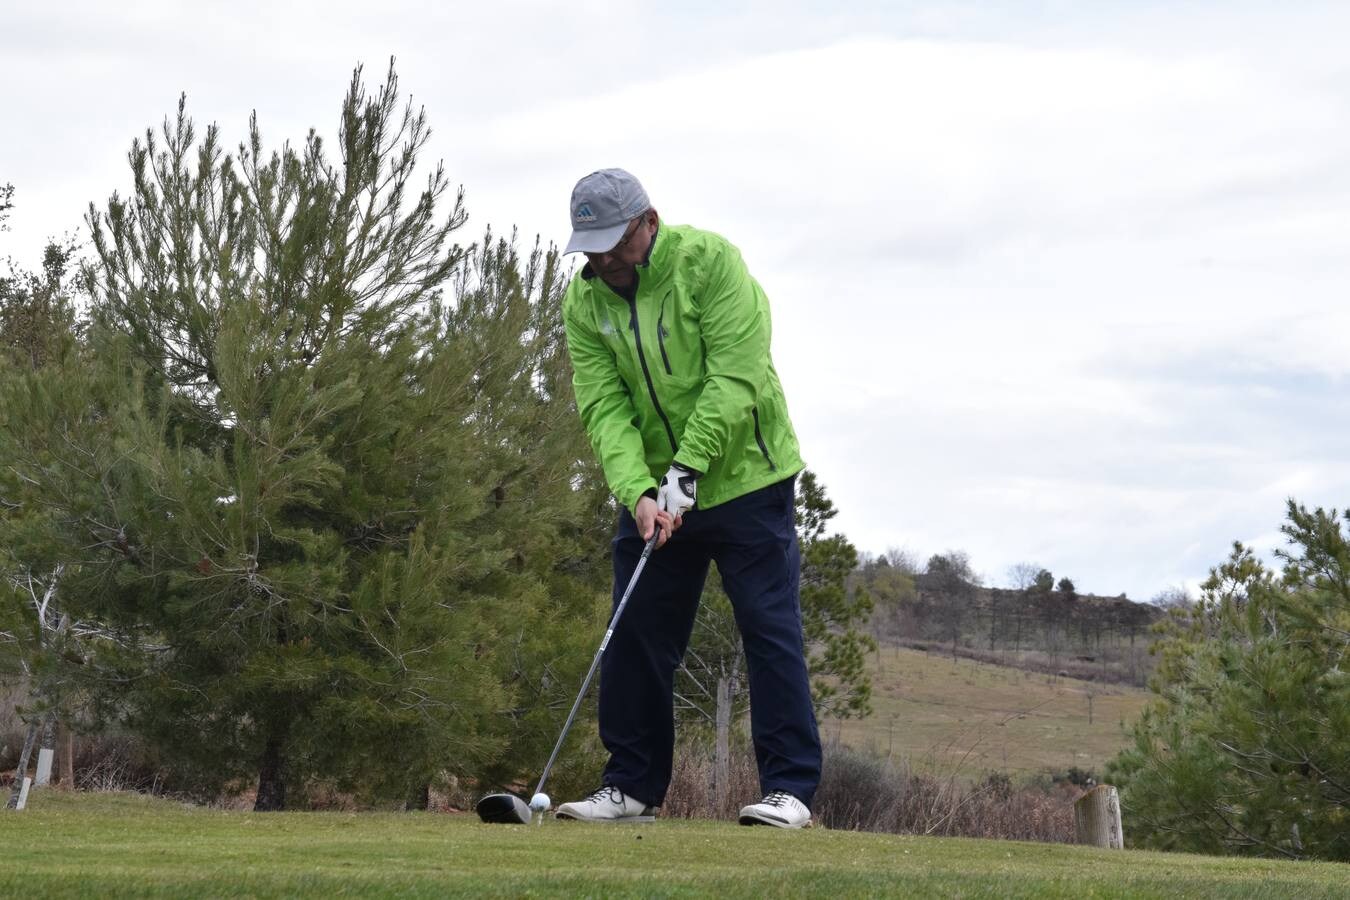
{"x": 609, "y": 804}
{"x": 779, "y": 809}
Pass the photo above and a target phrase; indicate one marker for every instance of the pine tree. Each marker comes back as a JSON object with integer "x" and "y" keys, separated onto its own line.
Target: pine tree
{"x": 310, "y": 497}
{"x": 39, "y": 340}
{"x": 37, "y": 316}
{"x": 6, "y": 204}
{"x": 1247, "y": 748}
{"x": 546, "y": 492}
{"x": 831, "y": 614}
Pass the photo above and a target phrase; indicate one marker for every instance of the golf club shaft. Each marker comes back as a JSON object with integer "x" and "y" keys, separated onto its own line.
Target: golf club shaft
{"x": 595, "y": 663}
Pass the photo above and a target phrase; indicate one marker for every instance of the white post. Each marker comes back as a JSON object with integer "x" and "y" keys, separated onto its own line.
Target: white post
{"x": 23, "y": 793}
{"x": 1097, "y": 815}
{"x": 44, "y": 768}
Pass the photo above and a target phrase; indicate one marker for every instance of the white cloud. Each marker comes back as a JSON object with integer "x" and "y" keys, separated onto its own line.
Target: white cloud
{"x": 1047, "y": 285}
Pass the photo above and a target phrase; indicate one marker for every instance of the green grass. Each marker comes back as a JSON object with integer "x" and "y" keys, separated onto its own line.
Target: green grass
{"x": 123, "y": 845}
{"x": 944, "y": 715}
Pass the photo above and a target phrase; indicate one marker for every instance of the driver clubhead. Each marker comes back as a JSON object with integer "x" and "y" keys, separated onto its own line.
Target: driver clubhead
{"x": 504, "y": 809}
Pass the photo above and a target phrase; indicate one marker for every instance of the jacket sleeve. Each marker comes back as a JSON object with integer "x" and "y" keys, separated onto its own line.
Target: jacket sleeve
{"x": 736, "y": 333}
{"x": 607, "y": 411}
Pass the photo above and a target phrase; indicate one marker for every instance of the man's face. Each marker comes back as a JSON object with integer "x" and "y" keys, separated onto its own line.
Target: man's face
{"x": 618, "y": 266}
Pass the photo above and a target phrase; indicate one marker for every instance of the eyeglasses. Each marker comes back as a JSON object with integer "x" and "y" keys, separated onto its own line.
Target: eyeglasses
{"x": 627, "y": 238}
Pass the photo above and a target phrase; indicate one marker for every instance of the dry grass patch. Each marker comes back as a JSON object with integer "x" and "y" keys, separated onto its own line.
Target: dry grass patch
{"x": 945, "y": 716}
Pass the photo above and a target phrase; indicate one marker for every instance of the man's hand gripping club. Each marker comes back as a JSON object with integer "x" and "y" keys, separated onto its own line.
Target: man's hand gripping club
{"x": 675, "y": 496}
{"x": 649, "y": 518}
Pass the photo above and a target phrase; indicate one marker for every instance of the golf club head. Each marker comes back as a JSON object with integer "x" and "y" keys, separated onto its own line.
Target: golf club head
{"x": 504, "y": 809}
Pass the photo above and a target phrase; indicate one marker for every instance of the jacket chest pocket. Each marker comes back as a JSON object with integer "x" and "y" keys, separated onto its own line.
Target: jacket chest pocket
{"x": 678, "y": 340}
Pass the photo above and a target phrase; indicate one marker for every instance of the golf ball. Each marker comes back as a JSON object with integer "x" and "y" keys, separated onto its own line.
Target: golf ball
{"x": 540, "y": 802}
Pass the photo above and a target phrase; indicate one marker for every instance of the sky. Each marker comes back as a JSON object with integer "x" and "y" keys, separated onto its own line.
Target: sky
{"x": 1058, "y": 283}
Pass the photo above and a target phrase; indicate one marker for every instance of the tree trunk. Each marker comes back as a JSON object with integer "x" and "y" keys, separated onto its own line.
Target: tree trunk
{"x": 722, "y": 759}
{"x": 67, "y": 766}
{"x": 22, "y": 772}
{"x": 1134, "y": 660}
{"x": 418, "y": 798}
{"x": 271, "y": 777}
{"x": 1097, "y": 816}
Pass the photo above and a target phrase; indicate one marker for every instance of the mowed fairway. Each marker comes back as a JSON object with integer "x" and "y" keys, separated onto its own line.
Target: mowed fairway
{"x": 946, "y": 716}
{"x": 125, "y": 846}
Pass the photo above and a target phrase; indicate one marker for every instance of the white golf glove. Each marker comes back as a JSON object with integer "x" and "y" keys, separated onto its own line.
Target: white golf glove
{"x": 678, "y": 491}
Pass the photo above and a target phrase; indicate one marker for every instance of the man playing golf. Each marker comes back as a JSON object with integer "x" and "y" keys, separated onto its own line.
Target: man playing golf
{"x": 669, "y": 339}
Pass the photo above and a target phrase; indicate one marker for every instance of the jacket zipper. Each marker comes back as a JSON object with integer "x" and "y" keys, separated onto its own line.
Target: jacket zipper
{"x": 759, "y": 439}
{"x": 651, "y": 388}
{"x": 661, "y": 336}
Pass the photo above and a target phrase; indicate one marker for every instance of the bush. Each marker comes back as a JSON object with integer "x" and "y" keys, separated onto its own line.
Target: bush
{"x": 1079, "y": 777}
{"x": 691, "y": 794}
{"x": 863, "y": 791}
{"x": 117, "y": 763}
{"x": 860, "y": 791}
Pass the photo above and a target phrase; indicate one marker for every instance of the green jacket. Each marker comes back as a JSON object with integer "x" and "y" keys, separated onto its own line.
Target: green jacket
{"x": 682, "y": 373}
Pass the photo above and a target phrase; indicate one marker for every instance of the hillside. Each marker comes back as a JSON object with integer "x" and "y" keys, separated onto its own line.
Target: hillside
{"x": 959, "y": 716}
{"x": 1088, "y": 636}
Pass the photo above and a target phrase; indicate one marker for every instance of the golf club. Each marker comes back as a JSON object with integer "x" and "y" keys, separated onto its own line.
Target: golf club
{"x": 510, "y": 809}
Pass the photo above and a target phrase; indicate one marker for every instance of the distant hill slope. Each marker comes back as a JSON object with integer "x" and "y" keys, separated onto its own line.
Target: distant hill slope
{"x": 962, "y": 717}
{"x": 1056, "y": 631}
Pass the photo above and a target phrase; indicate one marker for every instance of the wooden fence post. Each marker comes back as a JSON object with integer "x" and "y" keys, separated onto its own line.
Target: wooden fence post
{"x": 722, "y": 751}
{"x": 1097, "y": 815}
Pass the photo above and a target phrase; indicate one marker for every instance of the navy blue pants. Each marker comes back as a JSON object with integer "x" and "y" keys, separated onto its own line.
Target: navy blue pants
{"x": 753, "y": 540}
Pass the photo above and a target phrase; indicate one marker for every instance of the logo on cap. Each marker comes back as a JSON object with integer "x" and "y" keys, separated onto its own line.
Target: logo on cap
{"x": 584, "y": 213}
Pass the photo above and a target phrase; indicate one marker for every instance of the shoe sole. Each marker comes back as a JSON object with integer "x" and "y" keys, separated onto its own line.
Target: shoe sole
{"x": 622, "y": 820}
{"x": 772, "y": 822}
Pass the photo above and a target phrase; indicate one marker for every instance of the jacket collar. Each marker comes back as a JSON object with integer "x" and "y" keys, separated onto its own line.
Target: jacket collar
{"x": 657, "y": 254}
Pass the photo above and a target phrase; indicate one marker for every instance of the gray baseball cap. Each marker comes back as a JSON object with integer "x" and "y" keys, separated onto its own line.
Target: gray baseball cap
{"x": 603, "y": 203}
